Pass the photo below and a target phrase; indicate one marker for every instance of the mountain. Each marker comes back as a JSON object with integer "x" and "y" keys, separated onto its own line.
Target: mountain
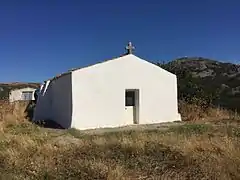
{"x": 207, "y": 81}
{"x": 200, "y": 80}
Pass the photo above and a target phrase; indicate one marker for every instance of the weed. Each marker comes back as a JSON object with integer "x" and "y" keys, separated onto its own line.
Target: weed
{"x": 191, "y": 129}
{"x": 180, "y": 152}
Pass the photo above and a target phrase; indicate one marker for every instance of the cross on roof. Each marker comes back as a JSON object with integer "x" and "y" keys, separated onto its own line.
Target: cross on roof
{"x": 130, "y": 48}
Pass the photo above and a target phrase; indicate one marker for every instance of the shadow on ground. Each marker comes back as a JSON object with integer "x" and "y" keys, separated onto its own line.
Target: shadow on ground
{"x": 43, "y": 123}
{"x": 48, "y": 124}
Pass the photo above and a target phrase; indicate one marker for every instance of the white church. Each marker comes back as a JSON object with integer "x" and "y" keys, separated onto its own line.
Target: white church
{"x": 123, "y": 91}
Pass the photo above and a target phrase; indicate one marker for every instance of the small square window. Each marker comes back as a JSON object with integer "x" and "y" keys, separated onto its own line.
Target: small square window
{"x": 129, "y": 98}
{"x": 27, "y": 95}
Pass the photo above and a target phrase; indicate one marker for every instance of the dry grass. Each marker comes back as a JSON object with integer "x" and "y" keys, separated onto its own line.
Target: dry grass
{"x": 188, "y": 151}
{"x": 193, "y": 112}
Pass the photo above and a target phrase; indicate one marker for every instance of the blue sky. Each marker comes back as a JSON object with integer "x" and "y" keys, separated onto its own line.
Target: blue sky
{"x": 39, "y": 39}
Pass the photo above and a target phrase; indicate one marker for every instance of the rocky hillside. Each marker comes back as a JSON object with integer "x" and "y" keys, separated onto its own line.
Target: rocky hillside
{"x": 208, "y": 81}
{"x": 6, "y": 87}
{"x": 200, "y": 80}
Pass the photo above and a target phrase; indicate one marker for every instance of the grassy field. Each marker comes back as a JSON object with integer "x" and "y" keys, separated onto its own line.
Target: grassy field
{"x": 208, "y": 147}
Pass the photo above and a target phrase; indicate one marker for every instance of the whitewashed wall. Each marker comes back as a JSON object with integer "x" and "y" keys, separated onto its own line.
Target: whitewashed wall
{"x": 55, "y": 101}
{"x": 99, "y": 93}
{"x": 62, "y": 101}
{"x": 16, "y": 94}
{"x": 43, "y": 110}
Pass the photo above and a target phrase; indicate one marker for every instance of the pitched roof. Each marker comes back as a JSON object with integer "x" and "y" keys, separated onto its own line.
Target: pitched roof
{"x": 74, "y": 69}
{"x": 19, "y": 85}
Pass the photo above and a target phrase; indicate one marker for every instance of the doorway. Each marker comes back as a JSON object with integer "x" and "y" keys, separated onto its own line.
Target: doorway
{"x": 132, "y": 106}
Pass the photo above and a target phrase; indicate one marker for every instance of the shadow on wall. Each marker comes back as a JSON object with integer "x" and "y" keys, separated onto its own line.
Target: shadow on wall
{"x": 61, "y": 101}
{"x": 29, "y": 111}
{"x": 54, "y": 102}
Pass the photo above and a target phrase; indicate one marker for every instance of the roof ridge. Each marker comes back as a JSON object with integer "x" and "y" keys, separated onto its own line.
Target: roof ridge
{"x": 74, "y": 69}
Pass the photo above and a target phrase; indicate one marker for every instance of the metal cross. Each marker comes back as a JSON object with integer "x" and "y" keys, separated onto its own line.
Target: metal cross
{"x": 130, "y": 48}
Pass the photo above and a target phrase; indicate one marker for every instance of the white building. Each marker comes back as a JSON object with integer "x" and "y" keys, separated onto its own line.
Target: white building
{"x": 124, "y": 91}
{"x": 22, "y": 94}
